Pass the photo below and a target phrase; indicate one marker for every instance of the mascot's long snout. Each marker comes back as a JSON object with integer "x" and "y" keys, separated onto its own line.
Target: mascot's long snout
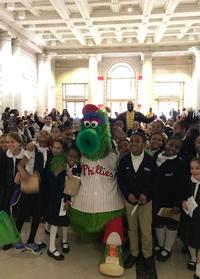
{"x": 88, "y": 141}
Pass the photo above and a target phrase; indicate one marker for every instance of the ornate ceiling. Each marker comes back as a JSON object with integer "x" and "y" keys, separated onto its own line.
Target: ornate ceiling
{"x": 102, "y": 26}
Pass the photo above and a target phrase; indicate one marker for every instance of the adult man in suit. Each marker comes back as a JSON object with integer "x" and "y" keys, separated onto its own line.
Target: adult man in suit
{"x": 131, "y": 115}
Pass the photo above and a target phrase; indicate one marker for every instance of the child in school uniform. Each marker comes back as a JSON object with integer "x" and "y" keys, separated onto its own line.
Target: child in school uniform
{"x": 3, "y": 145}
{"x": 62, "y": 165}
{"x": 156, "y": 144}
{"x": 197, "y": 146}
{"x": 168, "y": 193}
{"x": 158, "y": 126}
{"x": 14, "y": 154}
{"x": 42, "y": 145}
{"x": 154, "y": 148}
{"x": 123, "y": 148}
{"x": 29, "y": 204}
{"x": 189, "y": 230}
{"x": 136, "y": 175}
{"x": 67, "y": 137}
{"x": 118, "y": 134}
{"x": 135, "y": 128}
{"x": 187, "y": 151}
{"x": 32, "y": 205}
{"x": 3, "y": 149}
{"x": 55, "y": 135}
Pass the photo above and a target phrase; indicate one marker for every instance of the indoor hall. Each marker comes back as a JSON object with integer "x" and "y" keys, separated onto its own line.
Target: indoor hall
{"x": 65, "y": 54}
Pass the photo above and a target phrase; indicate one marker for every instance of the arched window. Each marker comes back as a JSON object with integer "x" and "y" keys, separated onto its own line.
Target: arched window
{"x": 120, "y": 87}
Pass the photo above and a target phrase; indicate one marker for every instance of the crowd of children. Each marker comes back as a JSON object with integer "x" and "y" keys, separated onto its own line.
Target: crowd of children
{"x": 158, "y": 175}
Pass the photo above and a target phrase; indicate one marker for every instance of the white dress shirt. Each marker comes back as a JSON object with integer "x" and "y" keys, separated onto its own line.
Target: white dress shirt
{"x": 162, "y": 159}
{"x": 137, "y": 160}
{"x": 20, "y": 155}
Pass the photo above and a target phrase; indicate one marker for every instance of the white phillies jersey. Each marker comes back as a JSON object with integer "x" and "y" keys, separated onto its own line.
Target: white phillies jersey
{"x": 99, "y": 191}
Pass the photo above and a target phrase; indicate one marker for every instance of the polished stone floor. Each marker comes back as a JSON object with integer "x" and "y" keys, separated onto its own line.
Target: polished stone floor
{"x": 80, "y": 263}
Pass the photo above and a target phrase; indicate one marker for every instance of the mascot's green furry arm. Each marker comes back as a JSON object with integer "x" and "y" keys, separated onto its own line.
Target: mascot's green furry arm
{"x": 98, "y": 205}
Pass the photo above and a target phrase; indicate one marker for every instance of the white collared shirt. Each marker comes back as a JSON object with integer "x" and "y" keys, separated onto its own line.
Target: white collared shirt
{"x": 99, "y": 191}
{"x": 44, "y": 151}
{"x": 137, "y": 160}
{"x": 20, "y": 155}
{"x": 162, "y": 158}
{"x": 197, "y": 182}
{"x": 29, "y": 167}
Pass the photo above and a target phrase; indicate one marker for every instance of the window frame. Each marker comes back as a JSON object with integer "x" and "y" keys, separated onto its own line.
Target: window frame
{"x": 74, "y": 98}
{"x": 108, "y": 98}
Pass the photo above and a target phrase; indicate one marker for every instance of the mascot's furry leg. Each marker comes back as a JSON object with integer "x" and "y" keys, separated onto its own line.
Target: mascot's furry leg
{"x": 112, "y": 264}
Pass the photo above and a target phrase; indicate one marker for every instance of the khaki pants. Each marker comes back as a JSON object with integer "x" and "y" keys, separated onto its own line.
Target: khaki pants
{"x": 142, "y": 219}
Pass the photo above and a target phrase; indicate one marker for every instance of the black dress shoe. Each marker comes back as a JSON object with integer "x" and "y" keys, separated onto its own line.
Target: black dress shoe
{"x": 157, "y": 249}
{"x": 60, "y": 257}
{"x": 163, "y": 255}
{"x": 65, "y": 247}
{"x": 130, "y": 261}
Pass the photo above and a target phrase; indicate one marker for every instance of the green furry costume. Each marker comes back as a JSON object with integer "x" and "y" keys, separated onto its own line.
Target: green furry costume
{"x": 98, "y": 206}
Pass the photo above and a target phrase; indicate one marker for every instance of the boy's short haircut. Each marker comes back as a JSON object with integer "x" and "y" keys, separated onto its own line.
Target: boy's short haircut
{"x": 160, "y": 134}
{"x": 175, "y": 137}
{"x": 123, "y": 140}
{"x": 140, "y": 134}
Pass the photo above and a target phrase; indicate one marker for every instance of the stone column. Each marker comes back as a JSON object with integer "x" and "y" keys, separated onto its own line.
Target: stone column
{"x": 92, "y": 83}
{"x": 195, "y": 97}
{"x": 46, "y": 95}
{"x": 17, "y": 77}
{"x": 6, "y": 70}
{"x": 146, "y": 87}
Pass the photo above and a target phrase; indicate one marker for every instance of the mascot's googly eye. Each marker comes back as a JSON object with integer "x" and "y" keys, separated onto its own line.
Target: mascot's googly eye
{"x": 94, "y": 124}
{"x": 87, "y": 124}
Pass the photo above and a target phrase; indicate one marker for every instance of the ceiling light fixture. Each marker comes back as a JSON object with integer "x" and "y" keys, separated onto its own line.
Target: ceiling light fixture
{"x": 191, "y": 37}
{"x": 149, "y": 40}
{"x": 179, "y": 36}
{"x": 40, "y": 34}
{"x": 32, "y": 27}
{"x": 90, "y": 42}
{"x": 10, "y": 6}
{"x": 21, "y": 15}
{"x": 119, "y": 36}
{"x": 109, "y": 41}
{"x": 63, "y": 40}
{"x": 193, "y": 50}
{"x": 53, "y": 43}
{"x": 129, "y": 40}
{"x": 130, "y": 9}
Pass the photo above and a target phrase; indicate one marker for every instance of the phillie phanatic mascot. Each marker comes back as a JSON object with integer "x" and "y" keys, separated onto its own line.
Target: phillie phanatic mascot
{"x": 98, "y": 205}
